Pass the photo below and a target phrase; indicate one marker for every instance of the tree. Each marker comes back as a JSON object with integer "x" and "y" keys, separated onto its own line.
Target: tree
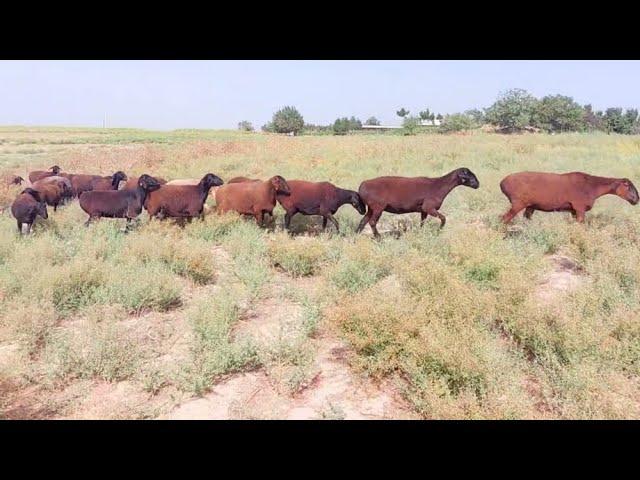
{"x": 592, "y": 121}
{"x": 513, "y": 110}
{"x": 613, "y": 121}
{"x": 268, "y": 127}
{"x": 439, "y": 117}
{"x": 245, "y": 126}
{"x": 476, "y": 115}
{"x": 402, "y": 113}
{"x": 343, "y": 125}
{"x": 426, "y": 115}
{"x": 559, "y": 113}
{"x": 411, "y": 125}
{"x": 287, "y": 120}
{"x": 372, "y": 121}
{"x": 457, "y": 122}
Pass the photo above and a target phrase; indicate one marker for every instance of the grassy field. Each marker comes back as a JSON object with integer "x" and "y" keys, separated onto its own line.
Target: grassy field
{"x": 537, "y": 320}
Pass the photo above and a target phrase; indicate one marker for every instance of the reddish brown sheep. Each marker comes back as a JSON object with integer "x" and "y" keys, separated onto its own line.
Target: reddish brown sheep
{"x": 50, "y": 193}
{"x": 64, "y": 184}
{"x": 26, "y": 207}
{"x": 242, "y": 180}
{"x": 132, "y": 183}
{"x": 111, "y": 182}
{"x": 125, "y": 203}
{"x": 410, "y": 194}
{"x": 182, "y": 201}
{"x": 85, "y": 183}
{"x": 251, "y": 197}
{"x": 40, "y": 174}
{"x": 317, "y": 198}
{"x": 573, "y": 192}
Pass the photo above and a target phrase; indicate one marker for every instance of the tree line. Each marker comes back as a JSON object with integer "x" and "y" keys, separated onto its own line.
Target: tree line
{"x": 514, "y": 110}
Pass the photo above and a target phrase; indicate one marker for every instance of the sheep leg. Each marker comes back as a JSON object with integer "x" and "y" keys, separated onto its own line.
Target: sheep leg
{"x": 287, "y": 219}
{"x": 423, "y": 216}
{"x": 259, "y": 218}
{"x": 528, "y": 212}
{"x": 513, "y": 211}
{"x": 324, "y": 223}
{"x": 333, "y": 220}
{"x": 579, "y": 215}
{"x": 434, "y": 213}
{"x": 20, "y": 227}
{"x": 55, "y": 207}
{"x": 86, "y": 224}
{"x": 373, "y": 222}
{"x": 364, "y": 220}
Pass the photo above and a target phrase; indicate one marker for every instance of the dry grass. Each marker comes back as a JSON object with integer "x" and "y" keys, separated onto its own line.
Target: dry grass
{"x": 454, "y": 315}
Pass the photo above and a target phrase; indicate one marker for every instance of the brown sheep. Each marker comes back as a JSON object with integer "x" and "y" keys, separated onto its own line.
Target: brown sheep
{"x": 242, "y": 180}
{"x": 85, "y": 183}
{"x": 182, "y": 201}
{"x": 62, "y": 182}
{"x": 125, "y": 203}
{"x": 251, "y": 198}
{"x": 317, "y": 198}
{"x": 410, "y": 194}
{"x": 51, "y": 194}
{"x": 573, "y": 192}
{"x": 26, "y": 207}
{"x": 13, "y": 180}
{"x": 132, "y": 183}
{"x": 40, "y": 174}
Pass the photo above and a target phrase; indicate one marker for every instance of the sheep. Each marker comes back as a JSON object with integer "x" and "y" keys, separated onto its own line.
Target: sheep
{"x": 40, "y": 174}
{"x": 410, "y": 194}
{"x": 26, "y": 207}
{"x": 132, "y": 182}
{"x": 242, "y": 180}
{"x": 317, "y": 198}
{"x": 63, "y": 183}
{"x": 111, "y": 182}
{"x": 125, "y": 203}
{"x": 182, "y": 201}
{"x": 51, "y": 194}
{"x": 13, "y": 180}
{"x": 573, "y": 192}
{"x": 85, "y": 183}
{"x": 251, "y": 197}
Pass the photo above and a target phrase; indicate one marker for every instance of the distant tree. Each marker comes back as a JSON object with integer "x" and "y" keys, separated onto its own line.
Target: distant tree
{"x": 439, "y": 117}
{"x": 613, "y": 120}
{"x": 287, "y": 120}
{"x": 592, "y": 121}
{"x": 245, "y": 126}
{"x": 476, "y": 115}
{"x": 559, "y": 113}
{"x": 457, "y": 122}
{"x": 402, "y": 113}
{"x": 411, "y": 125}
{"x": 268, "y": 127}
{"x": 343, "y": 125}
{"x": 630, "y": 121}
{"x": 425, "y": 115}
{"x": 372, "y": 121}
{"x": 513, "y": 110}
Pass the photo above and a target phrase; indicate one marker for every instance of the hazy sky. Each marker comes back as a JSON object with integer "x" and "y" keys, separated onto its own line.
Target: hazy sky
{"x": 219, "y": 94}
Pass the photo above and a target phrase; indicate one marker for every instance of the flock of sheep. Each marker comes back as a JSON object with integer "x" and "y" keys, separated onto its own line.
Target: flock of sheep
{"x": 101, "y": 196}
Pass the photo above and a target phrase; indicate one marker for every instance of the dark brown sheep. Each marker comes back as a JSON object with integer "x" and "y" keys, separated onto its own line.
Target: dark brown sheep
{"x": 40, "y": 174}
{"x": 26, "y": 207}
{"x": 118, "y": 203}
{"x": 251, "y": 197}
{"x": 181, "y": 201}
{"x": 573, "y": 192}
{"x": 410, "y": 194}
{"x": 317, "y": 198}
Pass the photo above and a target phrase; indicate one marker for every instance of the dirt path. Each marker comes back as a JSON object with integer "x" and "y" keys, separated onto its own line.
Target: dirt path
{"x": 333, "y": 392}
